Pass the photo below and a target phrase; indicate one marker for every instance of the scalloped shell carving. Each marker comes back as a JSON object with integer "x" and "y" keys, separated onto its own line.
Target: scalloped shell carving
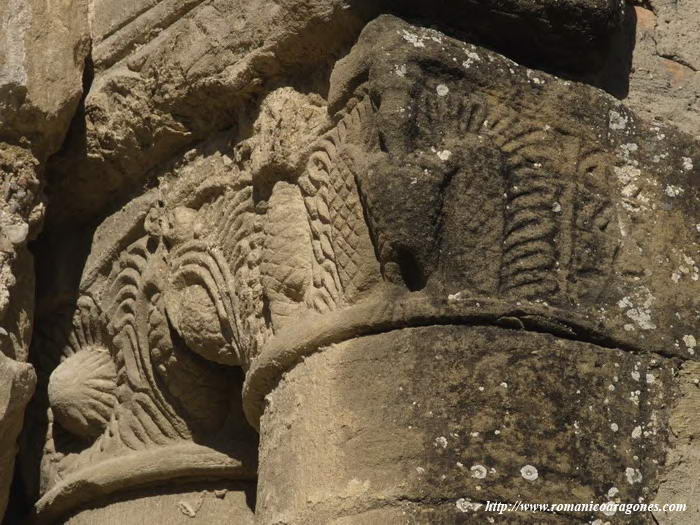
{"x": 82, "y": 392}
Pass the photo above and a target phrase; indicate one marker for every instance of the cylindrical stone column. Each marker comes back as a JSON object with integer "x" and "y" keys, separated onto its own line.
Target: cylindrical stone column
{"x": 428, "y": 424}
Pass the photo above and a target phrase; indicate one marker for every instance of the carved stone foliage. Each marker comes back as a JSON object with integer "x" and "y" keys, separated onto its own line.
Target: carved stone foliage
{"x": 137, "y": 386}
{"x": 438, "y": 184}
{"x": 457, "y": 186}
{"x": 527, "y": 208}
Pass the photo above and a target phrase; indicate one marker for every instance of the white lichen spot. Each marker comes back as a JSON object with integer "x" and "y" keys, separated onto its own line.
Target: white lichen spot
{"x": 473, "y": 56}
{"x": 442, "y": 90}
{"x": 441, "y": 442}
{"x": 478, "y": 471}
{"x": 628, "y": 149}
{"x": 630, "y": 191}
{"x": 637, "y": 432}
{"x": 650, "y": 379}
{"x": 556, "y": 207}
{"x": 687, "y": 163}
{"x": 612, "y": 492}
{"x": 535, "y": 79}
{"x": 628, "y": 176}
{"x": 617, "y": 121}
{"x": 420, "y": 470}
{"x": 674, "y": 191}
{"x": 454, "y": 297}
{"x": 504, "y": 384}
{"x": 690, "y": 342}
{"x": 614, "y": 427}
{"x": 529, "y": 473}
{"x": 633, "y": 475}
{"x": 467, "y": 505}
{"x": 634, "y": 396}
{"x": 635, "y": 375}
{"x": 400, "y": 70}
{"x": 444, "y": 155}
{"x": 640, "y": 312}
{"x": 411, "y": 38}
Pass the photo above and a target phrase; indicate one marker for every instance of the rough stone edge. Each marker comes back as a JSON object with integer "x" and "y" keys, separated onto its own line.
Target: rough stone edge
{"x": 184, "y": 462}
{"x": 387, "y": 312}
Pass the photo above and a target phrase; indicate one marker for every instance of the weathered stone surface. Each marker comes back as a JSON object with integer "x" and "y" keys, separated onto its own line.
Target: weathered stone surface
{"x": 168, "y": 73}
{"x": 665, "y": 83}
{"x": 21, "y": 213}
{"x": 42, "y": 49}
{"x": 190, "y": 505}
{"x": 683, "y": 461}
{"x": 16, "y": 387}
{"x": 180, "y": 71}
{"x": 569, "y": 34}
{"x": 428, "y": 275}
{"x": 493, "y": 194}
{"x": 410, "y": 419}
{"x": 677, "y": 29}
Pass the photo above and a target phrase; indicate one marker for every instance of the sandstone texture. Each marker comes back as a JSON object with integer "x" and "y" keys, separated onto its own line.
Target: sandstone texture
{"x": 42, "y": 51}
{"x": 18, "y": 381}
{"x": 348, "y": 261}
{"x": 665, "y": 83}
